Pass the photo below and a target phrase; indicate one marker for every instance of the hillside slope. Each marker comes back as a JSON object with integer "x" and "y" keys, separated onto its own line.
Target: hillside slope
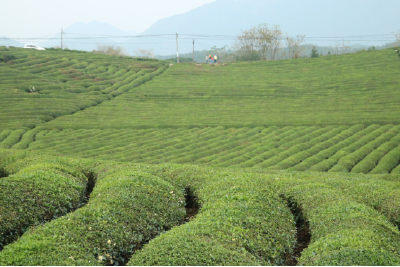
{"x": 335, "y": 113}
{"x": 348, "y": 89}
{"x": 38, "y": 86}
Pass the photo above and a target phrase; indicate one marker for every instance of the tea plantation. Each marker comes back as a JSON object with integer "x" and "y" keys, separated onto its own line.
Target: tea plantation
{"x": 122, "y": 161}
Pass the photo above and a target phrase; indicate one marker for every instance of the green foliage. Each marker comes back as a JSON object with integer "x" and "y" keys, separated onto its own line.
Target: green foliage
{"x": 243, "y": 218}
{"x": 126, "y": 209}
{"x": 350, "y": 89}
{"x": 36, "y": 193}
{"x": 357, "y": 148}
{"x": 38, "y": 87}
{"x": 314, "y": 52}
{"x": 241, "y": 222}
{"x": 344, "y": 232}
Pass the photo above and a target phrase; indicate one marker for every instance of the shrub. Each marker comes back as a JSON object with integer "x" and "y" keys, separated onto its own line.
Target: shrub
{"x": 126, "y": 210}
{"x": 35, "y": 194}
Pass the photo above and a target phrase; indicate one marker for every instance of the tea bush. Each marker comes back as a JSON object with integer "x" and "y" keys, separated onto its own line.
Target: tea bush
{"x": 125, "y": 210}
{"x": 34, "y": 194}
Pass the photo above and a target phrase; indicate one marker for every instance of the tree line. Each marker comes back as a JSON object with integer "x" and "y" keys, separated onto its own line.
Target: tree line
{"x": 262, "y": 42}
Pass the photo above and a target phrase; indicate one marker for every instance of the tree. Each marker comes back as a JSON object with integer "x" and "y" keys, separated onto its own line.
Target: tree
{"x": 397, "y": 36}
{"x": 222, "y": 52}
{"x": 344, "y": 47}
{"x": 314, "y": 52}
{"x": 262, "y": 41}
{"x": 110, "y": 50}
{"x": 294, "y": 46}
{"x": 142, "y": 53}
{"x": 245, "y": 44}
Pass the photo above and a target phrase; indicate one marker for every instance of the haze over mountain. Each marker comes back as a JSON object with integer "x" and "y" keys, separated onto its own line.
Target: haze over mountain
{"x": 324, "y": 22}
{"x": 5, "y": 41}
{"x": 313, "y": 18}
{"x": 86, "y": 36}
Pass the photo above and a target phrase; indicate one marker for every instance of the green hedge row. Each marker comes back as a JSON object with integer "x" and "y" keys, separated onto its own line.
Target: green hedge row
{"x": 26, "y": 139}
{"x": 343, "y": 148}
{"x": 12, "y": 138}
{"x": 346, "y": 163}
{"x": 337, "y": 141}
{"x": 302, "y": 143}
{"x": 274, "y": 148}
{"x": 126, "y": 209}
{"x": 241, "y": 222}
{"x": 389, "y": 162}
{"x": 273, "y": 140}
{"x": 34, "y": 190}
{"x": 343, "y": 231}
{"x": 310, "y": 148}
{"x": 138, "y": 81}
{"x": 211, "y": 146}
{"x": 4, "y": 134}
{"x": 231, "y": 157}
{"x": 373, "y": 159}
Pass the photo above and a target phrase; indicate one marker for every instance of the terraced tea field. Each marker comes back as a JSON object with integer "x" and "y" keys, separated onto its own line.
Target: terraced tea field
{"x": 121, "y": 161}
{"x": 36, "y": 87}
{"x": 358, "y": 148}
{"x": 244, "y": 218}
{"x": 351, "y": 89}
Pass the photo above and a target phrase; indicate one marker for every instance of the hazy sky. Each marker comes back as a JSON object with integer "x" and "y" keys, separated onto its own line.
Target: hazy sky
{"x": 39, "y": 18}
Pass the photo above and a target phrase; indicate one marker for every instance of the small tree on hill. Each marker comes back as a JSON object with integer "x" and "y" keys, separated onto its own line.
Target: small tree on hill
{"x": 294, "y": 46}
{"x": 262, "y": 41}
{"x": 110, "y": 50}
{"x": 314, "y": 52}
{"x": 142, "y": 53}
{"x": 397, "y": 36}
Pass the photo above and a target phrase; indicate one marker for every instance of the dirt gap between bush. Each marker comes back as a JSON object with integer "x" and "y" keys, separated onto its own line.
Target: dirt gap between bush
{"x": 192, "y": 206}
{"x": 303, "y": 235}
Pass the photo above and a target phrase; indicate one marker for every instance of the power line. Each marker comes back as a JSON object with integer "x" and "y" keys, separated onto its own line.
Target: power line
{"x": 370, "y": 37}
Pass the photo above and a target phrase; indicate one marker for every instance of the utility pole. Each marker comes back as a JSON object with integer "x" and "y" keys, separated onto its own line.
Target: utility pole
{"x": 177, "y": 50}
{"x": 193, "y": 50}
{"x": 61, "y": 38}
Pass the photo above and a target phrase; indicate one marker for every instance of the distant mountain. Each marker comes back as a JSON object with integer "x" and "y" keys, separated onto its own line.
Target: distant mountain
{"x": 313, "y": 18}
{"x": 76, "y": 36}
{"x": 5, "y": 41}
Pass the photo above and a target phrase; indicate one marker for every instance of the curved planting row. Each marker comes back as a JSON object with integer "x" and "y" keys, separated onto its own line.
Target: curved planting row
{"x": 372, "y": 159}
{"x": 241, "y": 222}
{"x": 204, "y": 148}
{"x": 4, "y": 134}
{"x": 341, "y": 149}
{"x": 243, "y": 217}
{"x": 284, "y": 141}
{"x": 26, "y": 139}
{"x": 280, "y": 136}
{"x": 242, "y": 141}
{"x": 390, "y": 162}
{"x": 346, "y": 163}
{"x": 292, "y": 148}
{"x": 250, "y": 136}
{"x": 36, "y": 189}
{"x": 337, "y": 142}
{"x": 299, "y": 145}
{"x": 343, "y": 231}
{"x": 298, "y": 153}
{"x": 41, "y": 85}
{"x": 126, "y": 209}
{"x": 12, "y": 138}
